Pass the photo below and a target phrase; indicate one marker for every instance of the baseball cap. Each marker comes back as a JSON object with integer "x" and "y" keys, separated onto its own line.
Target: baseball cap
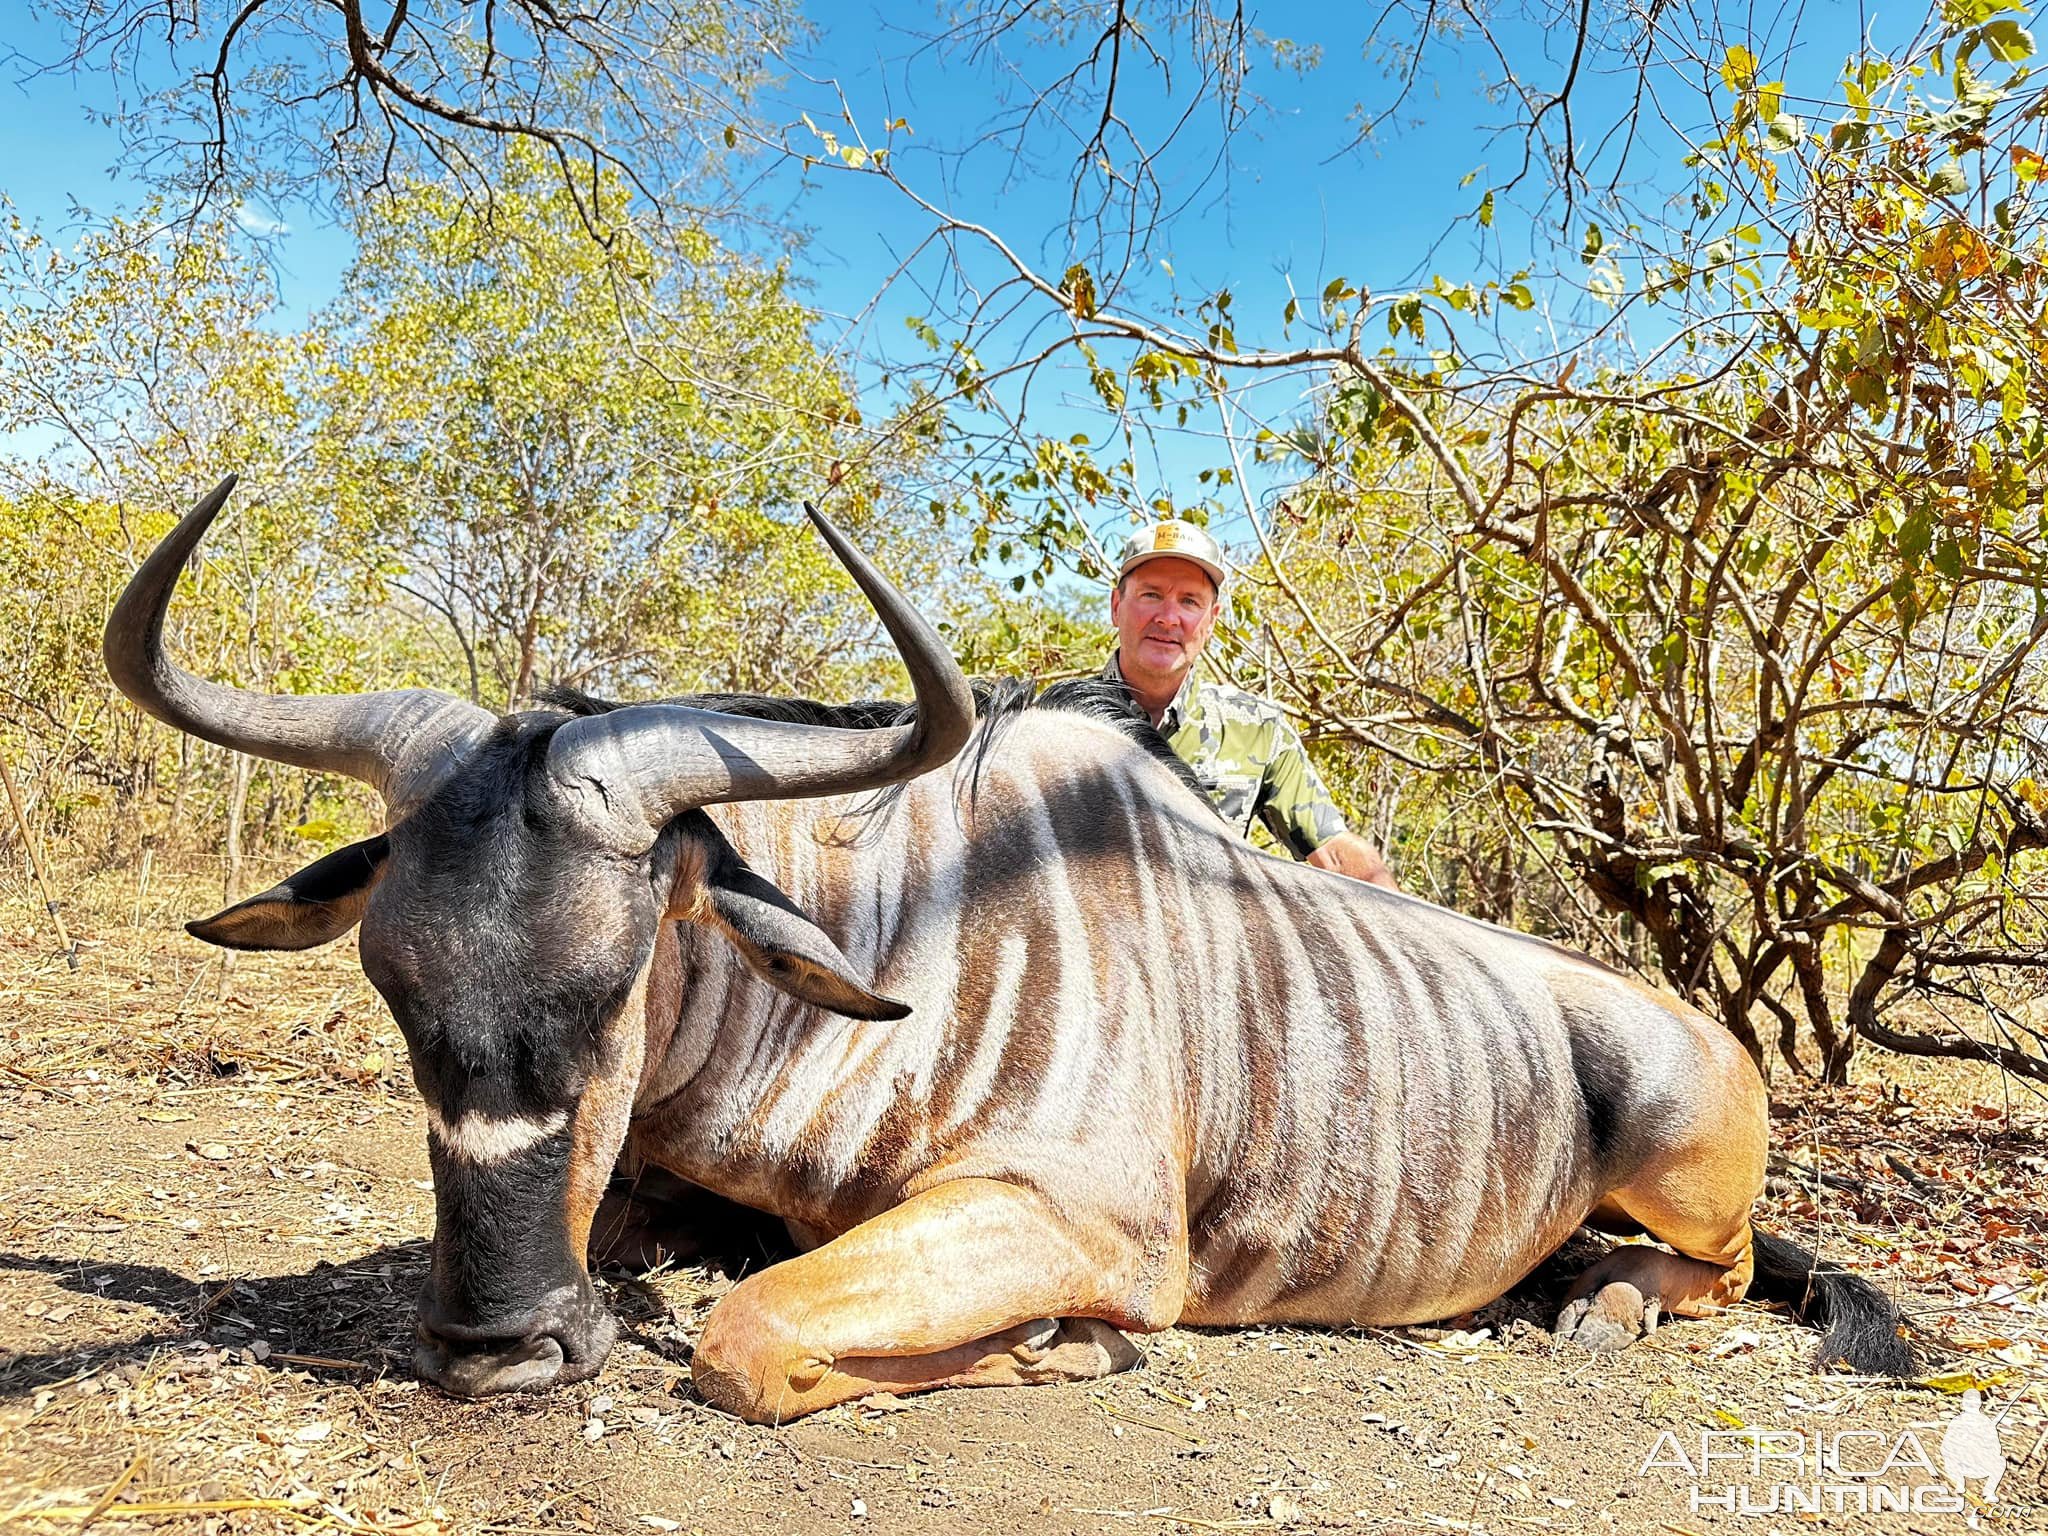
{"x": 1183, "y": 541}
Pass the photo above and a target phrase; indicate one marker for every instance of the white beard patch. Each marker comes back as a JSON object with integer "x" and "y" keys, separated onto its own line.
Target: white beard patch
{"x": 488, "y": 1139}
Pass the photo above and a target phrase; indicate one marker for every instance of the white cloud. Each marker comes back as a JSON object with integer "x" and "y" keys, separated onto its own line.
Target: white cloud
{"x": 259, "y": 224}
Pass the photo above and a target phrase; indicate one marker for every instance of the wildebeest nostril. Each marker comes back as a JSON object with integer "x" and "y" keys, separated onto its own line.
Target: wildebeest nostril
{"x": 524, "y": 1367}
{"x": 563, "y": 1341}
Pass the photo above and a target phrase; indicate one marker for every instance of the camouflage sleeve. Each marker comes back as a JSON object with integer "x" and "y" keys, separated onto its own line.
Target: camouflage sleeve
{"x": 1294, "y": 805}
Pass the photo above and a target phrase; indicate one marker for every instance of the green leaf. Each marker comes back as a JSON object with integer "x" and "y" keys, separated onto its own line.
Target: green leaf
{"x": 1966, "y": 13}
{"x": 1486, "y": 210}
{"x": 2009, "y": 42}
{"x": 1949, "y": 180}
{"x": 1916, "y": 536}
{"x": 1948, "y": 556}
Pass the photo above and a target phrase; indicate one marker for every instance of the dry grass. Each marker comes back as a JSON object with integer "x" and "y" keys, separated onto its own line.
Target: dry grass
{"x": 213, "y": 1205}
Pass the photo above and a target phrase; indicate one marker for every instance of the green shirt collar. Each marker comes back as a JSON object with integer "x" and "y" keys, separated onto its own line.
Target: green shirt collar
{"x": 1180, "y": 709}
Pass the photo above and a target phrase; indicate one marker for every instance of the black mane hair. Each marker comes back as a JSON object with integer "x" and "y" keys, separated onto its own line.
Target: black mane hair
{"x": 998, "y": 702}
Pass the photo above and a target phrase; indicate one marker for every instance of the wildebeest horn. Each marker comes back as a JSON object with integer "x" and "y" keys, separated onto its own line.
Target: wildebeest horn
{"x": 650, "y": 762}
{"x": 400, "y": 741}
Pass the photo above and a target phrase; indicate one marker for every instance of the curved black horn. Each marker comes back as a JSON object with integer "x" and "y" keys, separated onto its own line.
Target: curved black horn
{"x": 650, "y": 762}
{"x": 400, "y": 741}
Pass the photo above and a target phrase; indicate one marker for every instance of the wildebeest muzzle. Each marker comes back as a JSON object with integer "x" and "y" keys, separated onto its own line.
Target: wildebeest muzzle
{"x": 563, "y": 1339}
{"x": 508, "y": 1305}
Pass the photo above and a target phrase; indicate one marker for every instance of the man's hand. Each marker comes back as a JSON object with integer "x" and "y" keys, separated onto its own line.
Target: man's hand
{"x": 1349, "y": 854}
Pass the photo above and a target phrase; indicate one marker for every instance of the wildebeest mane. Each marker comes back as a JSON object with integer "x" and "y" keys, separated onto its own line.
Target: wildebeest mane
{"x": 998, "y": 703}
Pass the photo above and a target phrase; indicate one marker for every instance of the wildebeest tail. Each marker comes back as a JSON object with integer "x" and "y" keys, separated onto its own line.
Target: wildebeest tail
{"x": 1859, "y": 1326}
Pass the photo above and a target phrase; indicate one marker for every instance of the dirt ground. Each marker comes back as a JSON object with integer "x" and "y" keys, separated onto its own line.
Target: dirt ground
{"x": 213, "y": 1213}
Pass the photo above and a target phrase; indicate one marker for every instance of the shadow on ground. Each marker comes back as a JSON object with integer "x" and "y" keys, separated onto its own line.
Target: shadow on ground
{"x": 358, "y": 1315}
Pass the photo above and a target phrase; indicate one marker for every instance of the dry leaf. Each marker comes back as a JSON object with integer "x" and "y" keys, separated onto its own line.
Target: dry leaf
{"x": 1964, "y": 1380}
{"x": 1733, "y": 1341}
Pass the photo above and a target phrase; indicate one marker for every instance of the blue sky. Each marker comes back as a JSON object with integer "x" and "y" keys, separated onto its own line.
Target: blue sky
{"x": 1293, "y": 205}
{"x": 1296, "y": 206}
{"x": 1296, "y": 210}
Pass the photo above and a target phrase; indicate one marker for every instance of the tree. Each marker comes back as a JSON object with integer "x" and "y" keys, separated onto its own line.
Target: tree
{"x": 147, "y": 367}
{"x": 572, "y": 508}
{"x": 1755, "y": 639}
{"x": 1748, "y": 618}
{"x": 465, "y": 454}
{"x": 282, "y": 102}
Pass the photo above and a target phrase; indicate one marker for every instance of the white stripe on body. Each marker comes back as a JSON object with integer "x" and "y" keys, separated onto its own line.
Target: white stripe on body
{"x": 837, "y": 1077}
{"x": 976, "y": 1077}
{"x": 1423, "y": 1131}
{"x": 1073, "y": 1016}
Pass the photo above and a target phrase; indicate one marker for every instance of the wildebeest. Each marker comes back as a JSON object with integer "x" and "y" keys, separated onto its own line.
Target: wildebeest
{"x": 1030, "y": 1056}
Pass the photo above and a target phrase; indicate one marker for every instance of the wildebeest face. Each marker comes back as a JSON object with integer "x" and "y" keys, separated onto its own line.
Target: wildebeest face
{"x": 510, "y": 917}
{"x": 511, "y": 948}
{"x": 512, "y": 944}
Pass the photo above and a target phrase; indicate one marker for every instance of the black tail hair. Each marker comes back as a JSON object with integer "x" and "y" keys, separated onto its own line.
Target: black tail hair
{"x": 1861, "y": 1328}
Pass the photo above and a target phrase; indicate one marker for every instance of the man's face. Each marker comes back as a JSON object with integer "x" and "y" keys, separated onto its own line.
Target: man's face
{"x": 1163, "y": 612}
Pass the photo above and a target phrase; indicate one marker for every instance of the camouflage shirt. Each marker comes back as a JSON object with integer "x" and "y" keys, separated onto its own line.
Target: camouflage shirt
{"x": 1250, "y": 761}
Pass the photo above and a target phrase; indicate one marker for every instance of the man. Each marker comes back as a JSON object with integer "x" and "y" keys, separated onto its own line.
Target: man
{"x": 1241, "y": 747}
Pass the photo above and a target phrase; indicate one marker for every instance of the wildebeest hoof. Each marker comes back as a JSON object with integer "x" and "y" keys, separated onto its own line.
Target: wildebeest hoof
{"x": 1034, "y": 1340}
{"x": 1071, "y": 1349}
{"x": 1610, "y": 1319}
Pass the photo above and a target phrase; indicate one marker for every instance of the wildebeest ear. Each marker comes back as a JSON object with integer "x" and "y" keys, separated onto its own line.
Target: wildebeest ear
{"x": 772, "y": 933}
{"x": 321, "y": 902}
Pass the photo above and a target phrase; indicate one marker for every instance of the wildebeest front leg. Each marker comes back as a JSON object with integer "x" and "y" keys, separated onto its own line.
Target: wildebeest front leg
{"x": 972, "y": 1283}
{"x": 650, "y": 1217}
